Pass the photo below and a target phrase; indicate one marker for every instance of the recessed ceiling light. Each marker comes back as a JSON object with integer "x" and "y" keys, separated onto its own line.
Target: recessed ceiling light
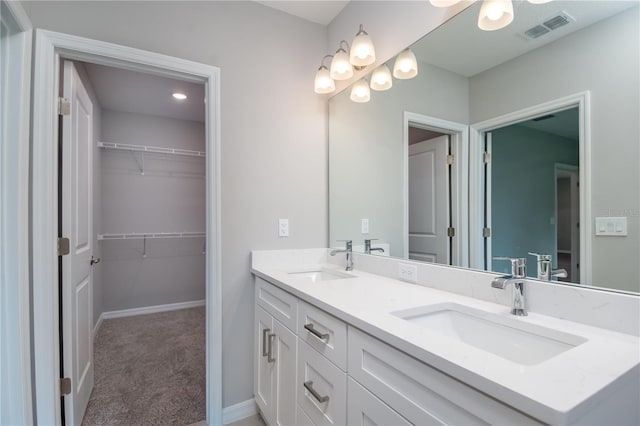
{"x": 179, "y": 96}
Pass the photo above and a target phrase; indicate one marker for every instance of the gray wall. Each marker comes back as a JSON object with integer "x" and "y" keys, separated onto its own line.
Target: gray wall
{"x": 602, "y": 59}
{"x": 366, "y": 159}
{"x": 523, "y": 198}
{"x": 274, "y": 129}
{"x": 169, "y": 197}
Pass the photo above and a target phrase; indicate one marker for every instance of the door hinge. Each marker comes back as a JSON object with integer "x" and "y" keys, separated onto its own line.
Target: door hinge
{"x": 486, "y": 232}
{"x": 451, "y": 232}
{"x": 63, "y": 246}
{"x": 64, "y": 106}
{"x": 450, "y": 159}
{"x": 486, "y": 158}
{"x": 65, "y": 386}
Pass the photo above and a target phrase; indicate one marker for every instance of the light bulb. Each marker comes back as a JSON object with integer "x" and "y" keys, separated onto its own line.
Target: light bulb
{"x": 341, "y": 69}
{"x": 323, "y": 82}
{"x": 495, "y": 14}
{"x": 406, "y": 65}
{"x": 179, "y": 96}
{"x": 362, "y": 51}
{"x": 381, "y": 78}
{"x": 360, "y": 91}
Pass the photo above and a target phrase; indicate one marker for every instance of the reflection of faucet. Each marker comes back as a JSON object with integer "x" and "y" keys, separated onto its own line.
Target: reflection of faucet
{"x": 544, "y": 268}
{"x": 367, "y": 246}
{"x": 518, "y": 274}
{"x": 349, "y": 252}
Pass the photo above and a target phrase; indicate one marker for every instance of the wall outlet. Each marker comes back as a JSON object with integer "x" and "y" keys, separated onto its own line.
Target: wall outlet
{"x": 408, "y": 272}
{"x": 283, "y": 227}
{"x": 364, "y": 226}
{"x": 611, "y": 226}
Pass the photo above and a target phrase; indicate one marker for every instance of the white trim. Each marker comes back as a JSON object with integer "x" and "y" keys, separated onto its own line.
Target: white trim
{"x": 582, "y": 102}
{"x": 239, "y": 411}
{"x": 15, "y": 332}
{"x": 49, "y": 47}
{"x": 459, "y": 180}
{"x": 97, "y": 325}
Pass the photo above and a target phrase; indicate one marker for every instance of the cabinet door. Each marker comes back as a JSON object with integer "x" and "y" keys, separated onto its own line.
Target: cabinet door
{"x": 365, "y": 409}
{"x": 263, "y": 370}
{"x": 285, "y": 352}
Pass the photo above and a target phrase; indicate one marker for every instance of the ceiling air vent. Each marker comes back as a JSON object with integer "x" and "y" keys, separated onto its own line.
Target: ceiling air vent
{"x": 560, "y": 20}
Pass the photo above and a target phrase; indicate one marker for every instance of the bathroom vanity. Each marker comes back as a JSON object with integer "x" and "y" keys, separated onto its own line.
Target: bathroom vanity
{"x": 362, "y": 347}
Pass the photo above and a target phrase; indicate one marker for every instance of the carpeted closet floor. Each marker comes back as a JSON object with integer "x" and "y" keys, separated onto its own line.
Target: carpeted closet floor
{"x": 149, "y": 370}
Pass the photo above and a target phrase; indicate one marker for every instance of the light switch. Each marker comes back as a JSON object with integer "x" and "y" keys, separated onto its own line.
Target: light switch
{"x": 364, "y": 226}
{"x": 283, "y": 227}
{"x": 611, "y": 226}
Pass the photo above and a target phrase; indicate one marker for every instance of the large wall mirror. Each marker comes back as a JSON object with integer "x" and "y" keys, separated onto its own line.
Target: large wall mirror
{"x": 518, "y": 142}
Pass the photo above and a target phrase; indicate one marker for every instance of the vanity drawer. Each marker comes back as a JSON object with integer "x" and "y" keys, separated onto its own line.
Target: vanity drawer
{"x": 323, "y": 332}
{"x": 421, "y": 394}
{"x": 365, "y": 409}
{"x": 329, "y": 404}
{"x": 280, "y": 304}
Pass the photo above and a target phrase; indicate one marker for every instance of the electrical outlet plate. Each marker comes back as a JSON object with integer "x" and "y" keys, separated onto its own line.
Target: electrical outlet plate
{"x": 611, "y": 226}
{"x": 364, "y": 226}
{"x": 283, "y": 227}
{"x": 407, "y": 272}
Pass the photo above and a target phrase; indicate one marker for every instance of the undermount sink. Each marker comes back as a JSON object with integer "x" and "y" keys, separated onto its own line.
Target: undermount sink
{"x": 515, "y": 340}
{"x": 321, "y": 274}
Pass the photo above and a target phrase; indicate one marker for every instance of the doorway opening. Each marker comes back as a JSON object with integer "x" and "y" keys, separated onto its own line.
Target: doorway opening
{"x": 145, "y": 238}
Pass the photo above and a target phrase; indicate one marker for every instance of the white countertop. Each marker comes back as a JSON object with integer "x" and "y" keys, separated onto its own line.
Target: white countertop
{"x": 558, "y": 390}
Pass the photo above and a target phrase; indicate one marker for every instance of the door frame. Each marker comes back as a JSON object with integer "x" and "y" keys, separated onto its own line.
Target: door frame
{"x": 15, "y": 335}
{"x": 459, "y": 142}
{"x": 50, "y": 47}
{"x": 582, "y": 101}
{"x": 572, "y": 172}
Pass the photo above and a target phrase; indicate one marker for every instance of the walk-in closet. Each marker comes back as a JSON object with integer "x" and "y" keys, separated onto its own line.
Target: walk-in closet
{"x": 143, "y": 306}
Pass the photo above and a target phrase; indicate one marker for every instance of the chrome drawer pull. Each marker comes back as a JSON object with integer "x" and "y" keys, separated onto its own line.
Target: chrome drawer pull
{"x": 264, "y": 341}
{"x": 309, "y": 386}
{"x": 270, "y": 352}
{"x": 312, "y": 330}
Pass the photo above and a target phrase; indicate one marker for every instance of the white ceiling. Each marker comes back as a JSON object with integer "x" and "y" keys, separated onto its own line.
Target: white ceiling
{"x": 461, "y": 47}
{"x": 131, "y": 91}
{"x": 320, "y": 12}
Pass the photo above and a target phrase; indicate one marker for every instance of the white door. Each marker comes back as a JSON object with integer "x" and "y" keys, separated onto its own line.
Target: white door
{"x": 429, "y": 200}
{"x": 77, "y": 225}
{"x": 264, "y": 368}
{"x": 286, "y": 351}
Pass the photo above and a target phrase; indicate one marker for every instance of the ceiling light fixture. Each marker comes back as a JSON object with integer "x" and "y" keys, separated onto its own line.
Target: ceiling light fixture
{"x": 323, "y": 82}
{"x": 381, "y": 78}
{"x": 360, "y": 91}
{"x": 179, "y": 96}
{"x": 406, "y": 65}
{"x": 494, "y": 14}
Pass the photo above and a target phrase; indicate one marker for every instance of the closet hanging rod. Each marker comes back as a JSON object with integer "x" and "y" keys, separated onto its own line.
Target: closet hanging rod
{"x": 140, "y": 236}
{"x": 151, "y": 149}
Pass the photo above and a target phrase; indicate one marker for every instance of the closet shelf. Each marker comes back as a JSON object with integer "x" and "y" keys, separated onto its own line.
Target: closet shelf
{"x": 151, "y": 149}
{"x": 141, "y": 236}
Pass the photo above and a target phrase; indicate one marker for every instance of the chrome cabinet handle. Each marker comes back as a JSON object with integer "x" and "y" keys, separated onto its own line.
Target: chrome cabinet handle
{"x": 312, "y": 330}
{"x": 264, "y": 341}
{"x": 270, "y": 357}
{"x": 309, "y": 386}
{"x": 94, "y": 260}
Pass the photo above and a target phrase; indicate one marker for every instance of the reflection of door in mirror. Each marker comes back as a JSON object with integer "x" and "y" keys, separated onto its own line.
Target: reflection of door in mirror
{"x": 429, "y": 197}
{"x": 530, "y": 207}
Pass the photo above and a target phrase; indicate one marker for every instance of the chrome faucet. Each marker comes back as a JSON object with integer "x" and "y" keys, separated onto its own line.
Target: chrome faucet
{"x": 349, "y": 252}
{"x": 544, "y": 268}
{"x": 518, "y": 274}
{"x": 367, "y": 246}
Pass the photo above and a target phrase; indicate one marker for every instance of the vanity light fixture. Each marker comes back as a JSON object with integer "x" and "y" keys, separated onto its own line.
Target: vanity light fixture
{"x": 362, "y": 52}
{"x": 179, "y": 96}
{"x": 323, "y": 82}
{"x": 539, "y": 1}
{"x": 444, "y": 3}
{"x": 406, "y": 65}
{"x": 381, "y": 78}
{"x": 360, "y": 91}
{"x": 495, "y": 14}
{"x": 341, "y": 68}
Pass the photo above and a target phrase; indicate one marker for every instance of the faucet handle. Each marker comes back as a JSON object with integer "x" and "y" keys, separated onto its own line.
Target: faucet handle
{"x": 518, "y": 265}
{"x": 541, "y": 257}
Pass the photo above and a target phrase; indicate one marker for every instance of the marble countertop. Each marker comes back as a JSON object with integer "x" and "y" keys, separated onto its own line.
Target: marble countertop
{"x": 558, "y": 390}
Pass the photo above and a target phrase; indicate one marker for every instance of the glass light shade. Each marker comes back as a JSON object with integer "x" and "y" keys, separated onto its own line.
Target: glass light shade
{"x": 406, "y": 65}
{"x": 341, "y": 68}
{"x": 539, "y": 1}
{"x": 444, "y": 3}
{"x": 360, "y": 91}
{"x": 495, "y": 14}
{"x": 381, "y": 78}
{"x": 324, "y": 83}
{"x": 362, "y": 52}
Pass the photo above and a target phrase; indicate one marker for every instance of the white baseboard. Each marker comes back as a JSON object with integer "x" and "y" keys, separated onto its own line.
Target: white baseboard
{"x": 145, "y": 310}
{"x": 239, "y": 411}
